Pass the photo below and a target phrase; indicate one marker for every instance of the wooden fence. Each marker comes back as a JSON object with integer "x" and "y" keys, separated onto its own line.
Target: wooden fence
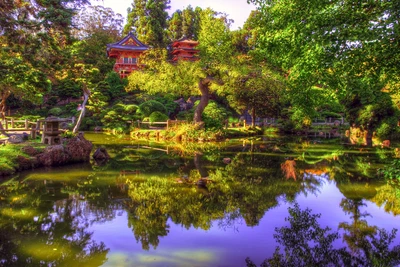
{"x": 167, "y": 123}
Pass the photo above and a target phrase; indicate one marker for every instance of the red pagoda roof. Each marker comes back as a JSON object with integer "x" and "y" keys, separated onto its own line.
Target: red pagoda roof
{"x": 184, "y": 40}
{"x": 128, "y": 43}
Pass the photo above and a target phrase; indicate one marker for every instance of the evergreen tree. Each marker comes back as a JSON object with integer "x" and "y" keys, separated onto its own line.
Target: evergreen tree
{"x": 175, "y": 26}
{"x": 191, "y": 22}
{"x": 148, "y": 20}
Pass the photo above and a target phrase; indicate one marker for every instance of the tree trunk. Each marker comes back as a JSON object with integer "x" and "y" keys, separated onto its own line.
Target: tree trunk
{"x": 4, "y": 95}
{"x": 3, "y": 106}
{"x": 253, "y": 117}
{"x": 86, "y": 94}
{"x": 368, "y": 137}
{"x": 199, "y": 165}
{"x": 204, "y": 86}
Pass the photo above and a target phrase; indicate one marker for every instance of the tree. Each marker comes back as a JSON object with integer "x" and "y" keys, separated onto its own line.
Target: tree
{"x": 175, "y": 26}
{"x": 34, "y": 36}
{"x": 256, "y": 88}
{"x": 187, "y": 78}
{"x": 333, "y": 44}
{"x": 191, "y": 22}
{"x": 148, "y": 20}
{"x": 98, "y": 26}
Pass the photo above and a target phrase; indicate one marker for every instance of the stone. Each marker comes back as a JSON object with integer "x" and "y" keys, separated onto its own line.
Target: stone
{"x": 15, "y": 139}
{"x": 53, "y": 156}
{"x": 101, "y": 154}
{"x": 78, "y": 148}
{"x": 31, "y": 151}
{"x": 226, "y": 160}
{"x": 385, "y": 143}
{"x": 25, "y": 163}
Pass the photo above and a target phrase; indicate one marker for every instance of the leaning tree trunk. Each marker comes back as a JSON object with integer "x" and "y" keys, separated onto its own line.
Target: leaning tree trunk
{"x": 3, "y": 107}
{"x": 204, "y": 86}
{"x": 86, "y": 94}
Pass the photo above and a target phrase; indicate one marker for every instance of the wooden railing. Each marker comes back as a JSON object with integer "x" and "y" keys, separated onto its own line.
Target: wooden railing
{"x": 167, "y": 123}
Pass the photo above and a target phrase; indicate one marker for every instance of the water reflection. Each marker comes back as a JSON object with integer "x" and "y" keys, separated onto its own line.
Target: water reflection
{"x": 55, "y": 216}
{"x": 43, "y": 225}
{"x": 305, "y": 243}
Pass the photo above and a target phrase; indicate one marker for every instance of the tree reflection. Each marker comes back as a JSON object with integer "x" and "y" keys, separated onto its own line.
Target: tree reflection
{"x": 366, "y": 242}
{"x": 239, "y": 191}
{"x": 38, "y": 232}
{"x": 387, "y": 196}
{"x": 306, "y": 243}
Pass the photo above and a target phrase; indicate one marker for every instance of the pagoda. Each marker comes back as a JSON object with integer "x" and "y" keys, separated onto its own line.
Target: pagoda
{"x": 126, "y": 52}
{"x": 184, "y": 49}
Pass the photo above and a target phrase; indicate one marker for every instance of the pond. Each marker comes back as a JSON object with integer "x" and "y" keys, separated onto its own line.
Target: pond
{"x": 156, "y": 204}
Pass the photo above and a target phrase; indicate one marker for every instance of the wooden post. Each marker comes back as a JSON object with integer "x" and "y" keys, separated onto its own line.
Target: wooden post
{"x": 44, "y": 129}
{"x": 26, "y": 124}
{"x": 33, "y": 132}
{"x": 6, "y": 124}
{"x": 38, "y": 126}
{"x": 12, "y": 123}
{"x": 167, "y": 124}
{"x": 138, "y": 123}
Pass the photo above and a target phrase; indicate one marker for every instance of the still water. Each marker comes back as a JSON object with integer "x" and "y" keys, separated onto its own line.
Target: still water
{"x": 154, "y": 204}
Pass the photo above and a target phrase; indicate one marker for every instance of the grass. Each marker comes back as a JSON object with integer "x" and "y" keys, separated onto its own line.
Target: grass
{"x": 9, "y": 155}
{"x": 8, "y": 158}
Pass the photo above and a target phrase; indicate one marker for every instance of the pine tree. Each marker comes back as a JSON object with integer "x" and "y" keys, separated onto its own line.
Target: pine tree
{"x": 148, "y": 20}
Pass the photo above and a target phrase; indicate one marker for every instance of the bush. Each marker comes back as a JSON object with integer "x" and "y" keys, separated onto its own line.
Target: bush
{"x": 148, "y": 107}
{"x": 119, "y": 117}
{"x": 55, "y": 112}
{"x": 157, "y": 116}
{"x": 214, "y": 115}
{"x": 386, "y": 128}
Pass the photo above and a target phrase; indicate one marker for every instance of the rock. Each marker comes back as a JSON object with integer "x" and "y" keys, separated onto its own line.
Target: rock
{"x": 31, "y": 151}
{"x": 385, "y": 143}
{"x": 226, "y": 160}
{"x": 98, "y": 129}
{"x": 78, "y": 148}
{"x": 54, "y": 156}
{"x": 101, "y": 154}
{"x": 15, "y": 139}
{"x": 25, "y": 136}
{"x": 26, "y": 163}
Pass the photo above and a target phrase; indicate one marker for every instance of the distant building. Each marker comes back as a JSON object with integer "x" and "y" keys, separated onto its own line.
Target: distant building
{"x": 184, "y": 49}
{"x": 126, "y": 52}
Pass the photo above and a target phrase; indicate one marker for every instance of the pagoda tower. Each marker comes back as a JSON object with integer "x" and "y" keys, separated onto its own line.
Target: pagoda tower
{"x": 126, "y": 52}
{"x": 184, "y": 49}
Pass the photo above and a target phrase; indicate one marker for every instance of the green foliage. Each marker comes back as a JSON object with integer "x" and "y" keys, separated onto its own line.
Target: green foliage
{"x": 391, "y": 171}
{"x": 148, "y": 107}
{"x": 214, "y": 116}
{"x": 119, "y": 117}
{"x": 387, "y": 127}
{"x": 157, "y": 116}
{"x": 148, "y": 20}
{"x": 354, "y": 62}
{"x": 171, "y": 106}
{"x": 55, "y": 112}
{"x": 116, "y": 86}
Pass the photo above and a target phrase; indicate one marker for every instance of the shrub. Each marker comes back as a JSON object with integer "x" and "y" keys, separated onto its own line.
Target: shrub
{"x": 214, "y": 115}
{"x": 157, "y": 116}
{"x": 386, "y": 128}
{"x": 55, "y": 112}
{"x": 148, "y": 107}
